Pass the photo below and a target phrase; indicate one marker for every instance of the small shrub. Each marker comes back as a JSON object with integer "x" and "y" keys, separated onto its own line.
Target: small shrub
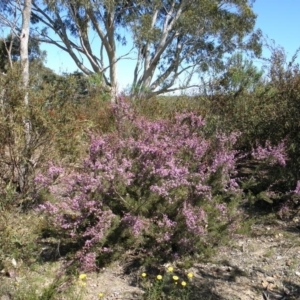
{"x": 159, "y": 187}
{"x": 261, "y": 175}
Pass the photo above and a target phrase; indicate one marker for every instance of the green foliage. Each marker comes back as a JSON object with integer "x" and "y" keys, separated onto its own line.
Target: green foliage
{"x": 240, "y": 76}
{"x": 166, "y": 107}
{"x": 15, "y": 150}
{"x": 17, "y": 241}
{"x": 265, "y": 110}
{"x": 59, "y": 128}
{"x": 10, "y": 50}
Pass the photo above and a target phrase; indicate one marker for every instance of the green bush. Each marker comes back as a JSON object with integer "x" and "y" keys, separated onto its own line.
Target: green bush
{"x": 59, "y": 129}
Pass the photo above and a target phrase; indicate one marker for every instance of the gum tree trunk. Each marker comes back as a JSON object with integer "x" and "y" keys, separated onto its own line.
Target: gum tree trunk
{"x": 24, "y": 38}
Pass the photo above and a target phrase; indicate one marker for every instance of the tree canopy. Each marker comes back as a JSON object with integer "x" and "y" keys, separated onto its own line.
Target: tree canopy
{"x": 240, "y": 75}
{"x": 168, "y": 39}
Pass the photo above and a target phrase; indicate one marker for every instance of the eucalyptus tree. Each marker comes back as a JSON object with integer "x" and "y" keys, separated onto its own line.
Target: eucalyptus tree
{"x": 168, "y": 39}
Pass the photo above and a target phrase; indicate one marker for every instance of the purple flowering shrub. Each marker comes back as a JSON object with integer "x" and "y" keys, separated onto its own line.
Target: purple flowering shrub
{"x": 152, "y": 186}
{"x": 271, "y": 155}
{"x": 266, "y": 182}
{"x": 275, "y": 179}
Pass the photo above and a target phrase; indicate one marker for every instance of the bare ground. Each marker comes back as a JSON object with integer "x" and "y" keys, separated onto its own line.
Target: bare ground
{"x": 263, "y": 266}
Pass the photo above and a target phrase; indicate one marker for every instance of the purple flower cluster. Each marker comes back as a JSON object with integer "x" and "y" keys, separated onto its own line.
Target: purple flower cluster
{"x": 274, "y": 154}
{"x": 54, "y": 171}
{"x": 297, "y": 189}
{"x": 135, "y": 223}
{"x": 195, "y": 218}
{"x": 222, "y": 208}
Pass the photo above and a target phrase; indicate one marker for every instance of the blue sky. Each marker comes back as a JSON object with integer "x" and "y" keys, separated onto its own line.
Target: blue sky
{"x": 278, "y": 19}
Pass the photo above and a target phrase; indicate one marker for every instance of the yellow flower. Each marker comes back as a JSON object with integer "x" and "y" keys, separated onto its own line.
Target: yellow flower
{"x": 170, "y": 269}
{"x": 144, "y": 275}
{"x": 100, "y": 295}
{"x": 159, "y": 277}
{"x": 183, "y": 283}
{"x": 190, "y": 275}
{"x": 175, "y": 278}
{"x": 82, "y": 277}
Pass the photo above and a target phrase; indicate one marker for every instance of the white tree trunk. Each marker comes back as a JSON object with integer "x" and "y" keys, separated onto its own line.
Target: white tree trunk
{"x": 24, "y": 39}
